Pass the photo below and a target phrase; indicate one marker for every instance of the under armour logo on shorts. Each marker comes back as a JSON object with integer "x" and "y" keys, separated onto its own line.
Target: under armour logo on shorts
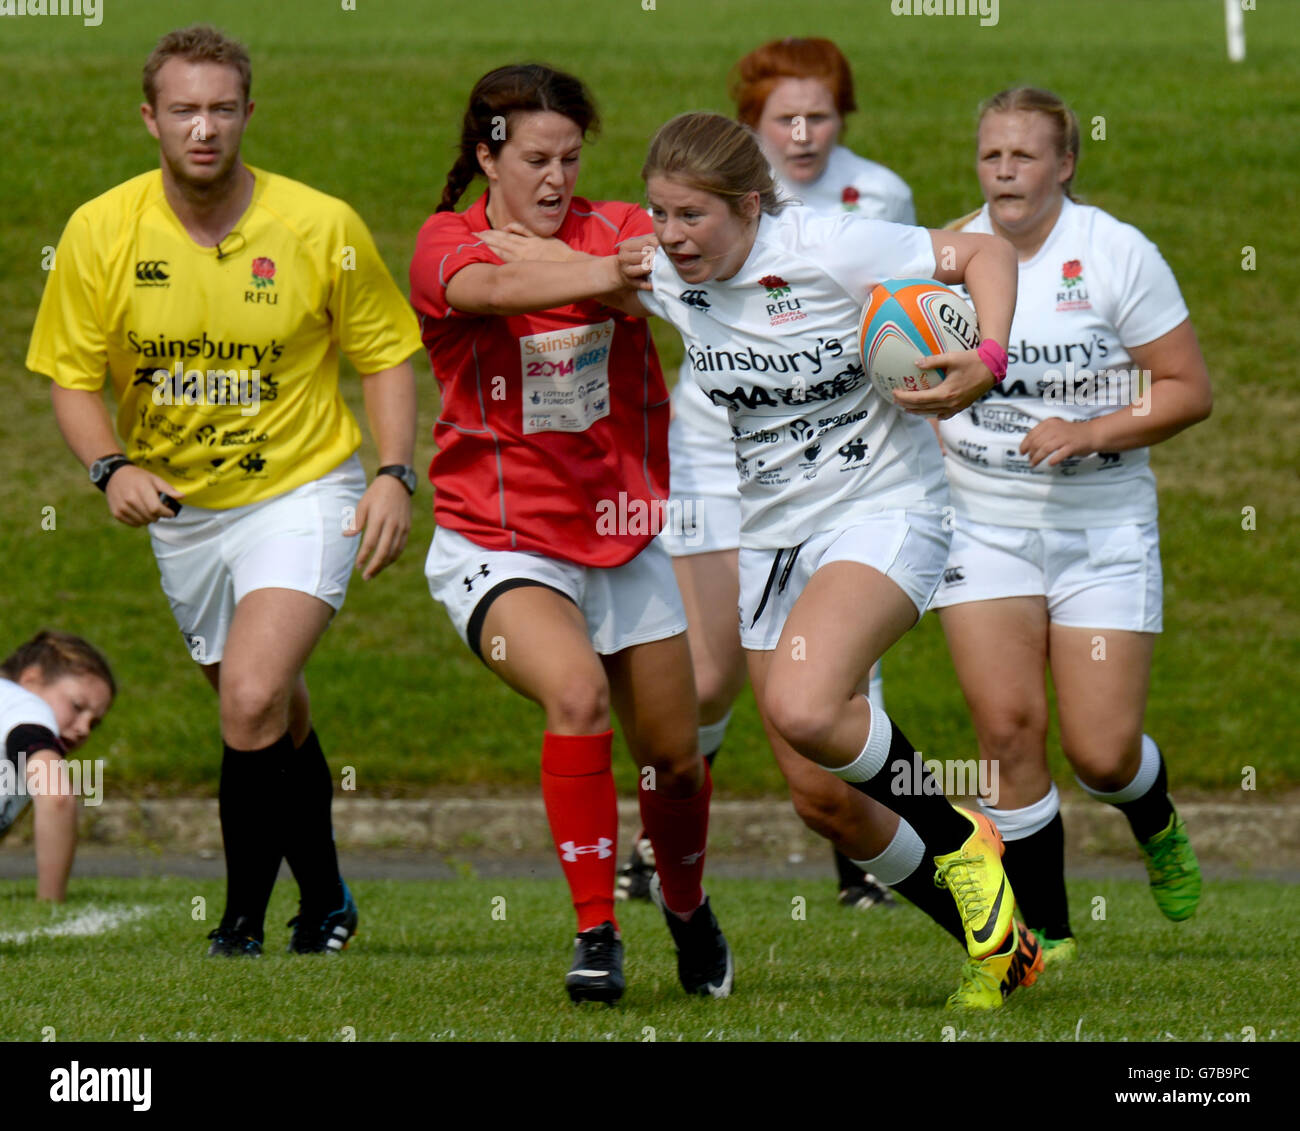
{"x": 473, "y": 577}
{"x": 603, "y": 849}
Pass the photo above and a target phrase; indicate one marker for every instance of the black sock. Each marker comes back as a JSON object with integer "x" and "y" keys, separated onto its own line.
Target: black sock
{"x": 1150, "y": 813}
{"x": 941, "y": 828}
{"x": 250, "y": 831}
{"x": 309, "y": 833}
{"x": 851, "y": 876}
{"x": 1035, "y": 868}
{"x": 935, "y": 902}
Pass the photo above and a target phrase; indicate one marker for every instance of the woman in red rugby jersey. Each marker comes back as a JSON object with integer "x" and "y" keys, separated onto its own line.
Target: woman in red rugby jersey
{"x": 550, "y": 484}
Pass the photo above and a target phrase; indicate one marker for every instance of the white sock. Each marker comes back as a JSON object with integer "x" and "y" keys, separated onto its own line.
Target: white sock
{"x": 1016, "y": 824}
{"x": 712, "y": 734}
{"x": 872, "y": 759}
{"x": 876, "y": 689}
{"x": 902, "y": 856}
{"x": 1142, "y": 781}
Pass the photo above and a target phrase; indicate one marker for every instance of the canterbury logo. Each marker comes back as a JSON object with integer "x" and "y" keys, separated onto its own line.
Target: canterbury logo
{"x": 151, "y": 271}
{"x": 697, "y": 299}
{"x": 953, "y": 574}
{"x": 570, "y": 852}
{"x": 986, "y": 932}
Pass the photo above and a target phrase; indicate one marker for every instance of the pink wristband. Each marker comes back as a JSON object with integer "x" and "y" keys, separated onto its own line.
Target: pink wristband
{"x": 993, "y": 356}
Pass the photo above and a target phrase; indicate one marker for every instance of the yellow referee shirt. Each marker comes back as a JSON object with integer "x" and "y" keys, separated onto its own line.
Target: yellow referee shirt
{"x": 224, "y": 360}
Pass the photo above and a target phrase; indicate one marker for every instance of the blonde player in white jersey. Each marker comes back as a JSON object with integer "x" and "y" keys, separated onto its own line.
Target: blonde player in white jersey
{"x": 1055, "y": 558}
{"x": 795, "y": 93}
{"x": 842, "y": 537}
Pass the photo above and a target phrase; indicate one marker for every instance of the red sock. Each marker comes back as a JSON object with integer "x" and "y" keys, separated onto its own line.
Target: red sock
{"x": 679, "y": 829}
{"x": 582, "y": 807}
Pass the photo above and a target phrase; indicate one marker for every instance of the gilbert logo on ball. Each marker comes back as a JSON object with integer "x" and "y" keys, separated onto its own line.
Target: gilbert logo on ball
{"x": 905, "y": 320}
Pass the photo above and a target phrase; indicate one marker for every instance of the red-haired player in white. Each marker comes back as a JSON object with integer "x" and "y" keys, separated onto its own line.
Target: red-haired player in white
{"x": 549, "y": 482}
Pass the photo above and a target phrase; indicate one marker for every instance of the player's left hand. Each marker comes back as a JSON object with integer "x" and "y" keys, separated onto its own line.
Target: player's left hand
{"x": 1059, "y": 439}
{"x": 966, "y": 379}
{"x": 515, "y": 243}
{"x": 384, "y": 514}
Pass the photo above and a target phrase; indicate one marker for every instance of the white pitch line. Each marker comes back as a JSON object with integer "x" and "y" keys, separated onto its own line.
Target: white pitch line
{"x": 92, "y": 921}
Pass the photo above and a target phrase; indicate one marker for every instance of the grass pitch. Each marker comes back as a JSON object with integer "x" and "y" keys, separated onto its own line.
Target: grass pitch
{"x": 123, "y": 961}
{"x": 365, "y": 104}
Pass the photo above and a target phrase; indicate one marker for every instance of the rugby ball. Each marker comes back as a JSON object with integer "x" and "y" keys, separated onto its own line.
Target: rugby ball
{"x": 905, "y": 320}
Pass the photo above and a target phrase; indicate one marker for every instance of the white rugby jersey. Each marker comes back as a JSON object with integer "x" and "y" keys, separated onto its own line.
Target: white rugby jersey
{"x": 18, "y": 706}
{"x": 1095, "y": 287}
{"x": 849, "y": 184}
{"x": 816, "y": 446}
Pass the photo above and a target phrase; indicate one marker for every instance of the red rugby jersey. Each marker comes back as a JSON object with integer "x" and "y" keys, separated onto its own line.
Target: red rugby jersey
{"x": 548, "y": 418}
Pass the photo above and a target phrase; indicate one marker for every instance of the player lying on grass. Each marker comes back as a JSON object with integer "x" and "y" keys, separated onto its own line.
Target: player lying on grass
{"x": 795, "y": 93}
{"x": 553, "y": 428}
{"x": 1055, "y": 558}
{"x": 839, "y": 553}
{"x": 54, "y": 690}
{"x": 217, "y": 298}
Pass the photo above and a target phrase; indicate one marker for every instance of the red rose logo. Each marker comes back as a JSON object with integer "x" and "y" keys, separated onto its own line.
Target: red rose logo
{"x": 776, "y": 286}
{"x": 1071, "y": 273}
{"x": 849, "y": 197}
{"x": 263, "y": 272}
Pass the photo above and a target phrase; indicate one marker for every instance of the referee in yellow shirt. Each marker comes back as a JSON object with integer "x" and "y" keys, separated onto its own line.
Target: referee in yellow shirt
{"x": 217, "y": 298}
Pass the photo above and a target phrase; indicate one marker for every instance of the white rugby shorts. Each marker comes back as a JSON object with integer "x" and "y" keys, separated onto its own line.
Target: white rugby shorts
{"x": 210, "y": 559}
{"x": 635, "y": 603}
{"x": 910, "y": 547}
{"x": 1106, "y": 577}
{"x": 701, "y": 525}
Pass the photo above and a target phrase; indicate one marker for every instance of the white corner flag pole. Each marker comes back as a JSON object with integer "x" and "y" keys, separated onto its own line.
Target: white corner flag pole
{"x": 1236, "y": 30}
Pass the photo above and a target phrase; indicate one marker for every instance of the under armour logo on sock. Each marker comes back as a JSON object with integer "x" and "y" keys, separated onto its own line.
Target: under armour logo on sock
{"x": 602, "y": 848}
{"x": 473, "y": 577}
{"x": 687, "y": 861}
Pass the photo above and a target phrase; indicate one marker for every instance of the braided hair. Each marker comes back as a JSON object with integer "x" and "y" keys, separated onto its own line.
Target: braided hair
{"x": 516, "y": 89}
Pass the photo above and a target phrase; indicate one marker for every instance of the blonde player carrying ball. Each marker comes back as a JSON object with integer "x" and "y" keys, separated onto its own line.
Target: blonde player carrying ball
{"x": 1055, "y": 559}
{"x": 54, "y": 691}
{"x": 842, "y": 539}
{"x": 796, "y": 94}
{"x": 217, "y": 299}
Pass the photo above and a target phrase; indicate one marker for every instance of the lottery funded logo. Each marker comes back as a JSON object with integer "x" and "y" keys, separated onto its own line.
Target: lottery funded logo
{"x": 566, "y": 377}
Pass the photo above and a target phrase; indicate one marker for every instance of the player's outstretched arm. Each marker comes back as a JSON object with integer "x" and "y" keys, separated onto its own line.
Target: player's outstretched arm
{"x": 526, "y": 286}
{"x": 56, "y": 826}
{"x": 133, "y": 492}
{"x": 384, "y": 513}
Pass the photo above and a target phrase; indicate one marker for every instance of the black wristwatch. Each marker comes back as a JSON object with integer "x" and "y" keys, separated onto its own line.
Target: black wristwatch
{"x": 402, "y": 472}
{"x": 101, "y": 471}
